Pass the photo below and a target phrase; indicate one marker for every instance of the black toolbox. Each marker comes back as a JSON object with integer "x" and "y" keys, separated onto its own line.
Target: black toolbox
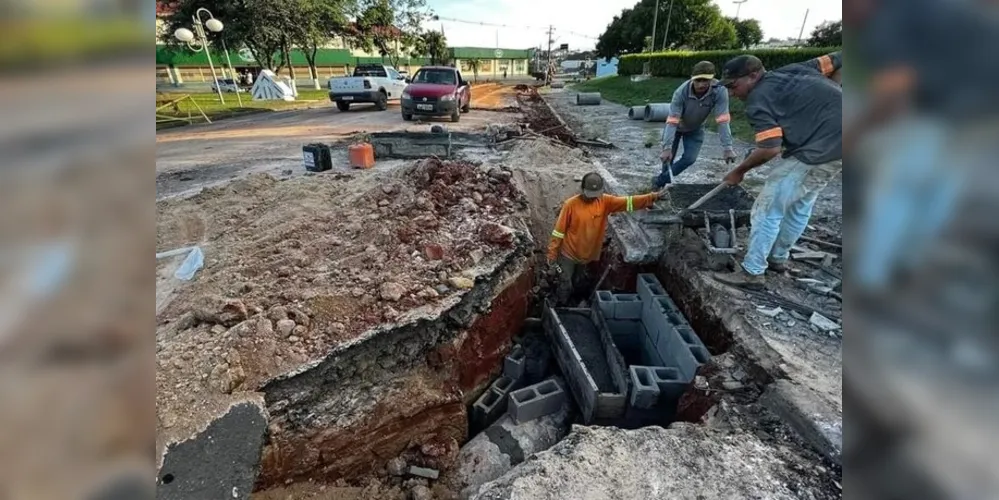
{"x": 317, "y": 157}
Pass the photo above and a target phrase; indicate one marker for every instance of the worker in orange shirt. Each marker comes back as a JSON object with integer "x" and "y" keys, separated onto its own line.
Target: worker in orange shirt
{"x": 578, "y": 236}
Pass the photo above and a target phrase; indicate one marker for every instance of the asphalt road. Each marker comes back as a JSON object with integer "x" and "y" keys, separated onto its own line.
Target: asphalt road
{"x": 189, "y": 158}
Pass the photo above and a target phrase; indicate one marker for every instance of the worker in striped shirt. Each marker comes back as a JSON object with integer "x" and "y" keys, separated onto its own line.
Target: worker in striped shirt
{"x": 579, "y": 233}
{"x": 693, "y": 101}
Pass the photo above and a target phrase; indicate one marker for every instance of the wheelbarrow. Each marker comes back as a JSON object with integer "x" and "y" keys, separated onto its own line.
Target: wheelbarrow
{"x": 718, "y": 209}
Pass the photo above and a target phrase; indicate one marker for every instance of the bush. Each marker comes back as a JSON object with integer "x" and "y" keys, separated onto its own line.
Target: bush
{"x": 679, "y": 64}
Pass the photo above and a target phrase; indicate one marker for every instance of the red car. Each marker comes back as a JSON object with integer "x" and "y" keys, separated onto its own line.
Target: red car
{"x": 436, "y": 91}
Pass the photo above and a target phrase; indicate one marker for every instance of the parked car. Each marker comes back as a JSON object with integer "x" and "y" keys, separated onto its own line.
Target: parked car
{"x": 371, "y": 83}
{"x": 436, "y": 91}
{"x": 227, "y": 85}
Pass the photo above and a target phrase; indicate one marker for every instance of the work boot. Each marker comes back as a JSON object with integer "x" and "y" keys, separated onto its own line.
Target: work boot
{"x": 777, "y": 266}
{"x": 740, "y": 278}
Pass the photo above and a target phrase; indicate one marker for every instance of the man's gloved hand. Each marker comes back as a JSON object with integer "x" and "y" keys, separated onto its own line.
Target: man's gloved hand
{"x": 554, "y": 268}
{"x": 729, "y": 155}
{"x": 667, "y": 155}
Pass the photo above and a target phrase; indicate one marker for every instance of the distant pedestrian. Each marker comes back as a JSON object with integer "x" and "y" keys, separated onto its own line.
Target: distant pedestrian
{"x": 504, "y": 74}
{"x": 693, "y": 101}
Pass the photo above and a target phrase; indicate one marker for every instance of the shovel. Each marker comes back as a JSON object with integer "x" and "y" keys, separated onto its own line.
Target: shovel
{"x": 678, "y": 218}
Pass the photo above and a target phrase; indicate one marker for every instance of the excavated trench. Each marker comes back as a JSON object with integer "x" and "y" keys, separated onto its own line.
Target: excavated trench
{"x": 408, "y": 393}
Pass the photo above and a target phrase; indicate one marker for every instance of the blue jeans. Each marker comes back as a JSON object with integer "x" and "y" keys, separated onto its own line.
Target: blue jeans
{"x": 782, "y": 209}
{"x": 692, "y": 142}
{"x": 913, "y": 194}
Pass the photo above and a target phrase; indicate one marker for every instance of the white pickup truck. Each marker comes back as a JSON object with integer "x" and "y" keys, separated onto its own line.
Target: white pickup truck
{"x": 371, "y": 83}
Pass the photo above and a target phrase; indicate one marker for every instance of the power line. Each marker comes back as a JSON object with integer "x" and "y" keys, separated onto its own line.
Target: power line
{"x": 497, "y": 25}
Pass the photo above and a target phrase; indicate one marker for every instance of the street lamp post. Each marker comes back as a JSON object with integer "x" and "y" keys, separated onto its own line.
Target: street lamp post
{"x": 185, "y": 35}
{"x": 739, "y": 8}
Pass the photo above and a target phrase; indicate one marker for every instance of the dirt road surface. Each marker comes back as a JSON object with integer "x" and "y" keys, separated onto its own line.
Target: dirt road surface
{"x": 193, "y": 157}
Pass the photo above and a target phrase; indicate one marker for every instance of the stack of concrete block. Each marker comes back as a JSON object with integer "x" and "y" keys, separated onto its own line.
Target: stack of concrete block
{"x": 669, "y": 341}
{"x": 536, "y": 401}
{"x": 490, "y": 405}
{"x": 619, "y": 306}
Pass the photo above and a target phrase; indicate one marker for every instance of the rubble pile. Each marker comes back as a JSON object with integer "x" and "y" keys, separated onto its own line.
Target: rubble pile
{"x": 289, "y": 274}
{"x": 540, "y": 118}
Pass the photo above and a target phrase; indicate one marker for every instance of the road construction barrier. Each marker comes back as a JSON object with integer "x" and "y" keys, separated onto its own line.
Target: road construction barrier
{"x": 636, "y": 113}
{"x": 656, "y": 112}
{"x": 587, "y": 98}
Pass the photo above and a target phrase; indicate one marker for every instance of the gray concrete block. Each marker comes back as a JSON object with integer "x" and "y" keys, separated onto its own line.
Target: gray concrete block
{"x": 647, "y": 286}
{"x": 670, "y": 382}
{"x": 606, "y": 303}
{"x": 536, "y": 401}
{"x": 627, "y": 306}
{"x": 688, "y": 336}
{"x": 667, "y": 347}
{"x": 650, "y": 356}
{"x": 656, "y": 323}
{"x": 487, "y": 408}
{"x": 644, "y": 390}
{"x": 689, "y": 358}
{"x": 627, "y": 334}
{"x": 513, "y": 364}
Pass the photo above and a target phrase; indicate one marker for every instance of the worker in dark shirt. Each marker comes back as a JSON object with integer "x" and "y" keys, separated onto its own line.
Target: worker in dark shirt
{"x": 796, "y": 112}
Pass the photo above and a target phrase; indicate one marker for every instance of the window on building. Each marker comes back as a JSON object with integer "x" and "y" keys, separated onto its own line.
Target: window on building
{"x": 466, "y": 65}
{"x": 520, "y": 66}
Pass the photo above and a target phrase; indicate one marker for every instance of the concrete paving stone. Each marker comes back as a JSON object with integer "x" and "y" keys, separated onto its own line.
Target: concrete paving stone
{"x": 644, "y": 390}
{"x": 536, "y": 401}
{"x": 627, "y": 306}
{"x": 513, "y": 364}
{"x": 605, "y": 300}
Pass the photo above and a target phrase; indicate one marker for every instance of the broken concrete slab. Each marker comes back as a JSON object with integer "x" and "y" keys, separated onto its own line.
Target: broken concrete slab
{"x": 818, "y": 424}
{"x": 221, "y": 460}
{"x": 502, "y": 446}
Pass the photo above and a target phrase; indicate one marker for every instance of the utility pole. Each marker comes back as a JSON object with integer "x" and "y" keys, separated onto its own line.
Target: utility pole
{"x": 802, "y": 32}
{"x": 655, "y": 18}
{"x": 669, "y": 16}
{"x": 739, "y": 8}
{"x": 551, "y": 31}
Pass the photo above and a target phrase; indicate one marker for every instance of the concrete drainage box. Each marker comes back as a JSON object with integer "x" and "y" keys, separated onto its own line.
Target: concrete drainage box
{"x": 423, "y": 144}
{"x": 592, "y": 366}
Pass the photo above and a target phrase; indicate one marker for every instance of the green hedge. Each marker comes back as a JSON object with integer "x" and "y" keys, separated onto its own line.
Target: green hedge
{"x": 679, "y": 64}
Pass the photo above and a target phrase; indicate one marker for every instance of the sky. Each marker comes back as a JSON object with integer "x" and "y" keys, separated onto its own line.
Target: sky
{"x": 579, "y": 23}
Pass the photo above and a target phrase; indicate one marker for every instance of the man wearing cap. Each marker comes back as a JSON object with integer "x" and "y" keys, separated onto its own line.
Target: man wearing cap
{"x": 798, "y": 109}
{"x": 579, "y": 232}
{"x": 692, "y": 102}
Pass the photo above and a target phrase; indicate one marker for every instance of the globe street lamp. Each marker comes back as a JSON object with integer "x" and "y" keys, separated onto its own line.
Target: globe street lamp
{"x": 187, "y": 36}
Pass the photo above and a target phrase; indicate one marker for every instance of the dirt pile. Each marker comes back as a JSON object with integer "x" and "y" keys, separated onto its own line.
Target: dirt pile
{"x": 294, "y": 268}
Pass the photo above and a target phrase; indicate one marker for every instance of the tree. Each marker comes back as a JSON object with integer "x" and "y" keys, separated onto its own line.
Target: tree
{"x": 474, "y": 64}
{"x": 827, "y": 34}
{"x": 318, "y": 22}
{"x": 434, "y": 46}
{"x": 388, "y": 24}
{"x": 695, "y": 24}
{"x": 747, "y": 32}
